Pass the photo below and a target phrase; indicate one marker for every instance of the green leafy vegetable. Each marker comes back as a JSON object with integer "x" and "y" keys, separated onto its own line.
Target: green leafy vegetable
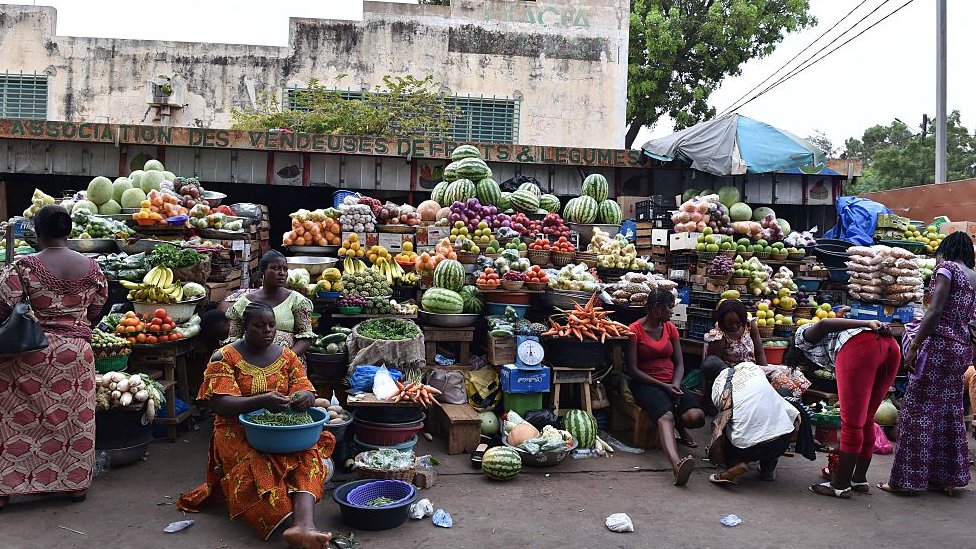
{"x": 388, "y": 329}
{"x": 281, "y": 419}
{"x": 168, "y": 255}
{"x": 380, "y": 501}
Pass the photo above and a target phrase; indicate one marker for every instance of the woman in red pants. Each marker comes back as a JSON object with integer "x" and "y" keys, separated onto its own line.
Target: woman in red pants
{"x": 865, "y": 359}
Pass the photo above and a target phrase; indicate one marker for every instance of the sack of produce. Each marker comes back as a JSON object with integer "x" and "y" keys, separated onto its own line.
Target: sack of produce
{"x": 199, "y": 272}
{"x": 390, "y": 341}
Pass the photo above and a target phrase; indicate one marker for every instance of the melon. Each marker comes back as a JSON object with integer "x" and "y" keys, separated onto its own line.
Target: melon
{"x": 442, "y": 300}
{"x": 121, "y": 185}
{"x": 488, "y": 191}
{"x": 465, "y": 151}
{"x": 459, "y": 191}
{"x": 525, "y": 200}
{"x": 154, "y": 165}
{"x": 522, "y": 432}
{"x": 689, "y": 194}
{"x": 784, "y": 226}
{"x": 596, "y": 187}
{"x": 428, "y": 210}
{"x": 84, "y": 205}
{"x": 151, "y": 181}
{"x": 443, "y": 213}
{"x": 728, "y": 195}
{"x": 501, "y": 463}
{"x": 133, "y": 198}
{"x": 99, "y": 190}
{"x": 437, "y": 194}
{"x": 740, "y": 211}
{"x": 550, "y": 203}
{"x": 110, "y": 208}
{"x": 532, "y": 187}
{"x": 474, "y": 169}
{"x": 169, "y": 176}
{"x": 505, "y": 201}
{"x": 760, "y": 213}
{"x": 582, "y": 209}
{"x": 608, "y": 212}
{"x": 450, "y": 172}
{"x": 136, "y": 178}
{"x": 887, "y": 414}
{"x": 582, "y": 425}
{"x": 449, "y": 274}
{"x": 489, "y": 424}
{"x": 471, "y": 297}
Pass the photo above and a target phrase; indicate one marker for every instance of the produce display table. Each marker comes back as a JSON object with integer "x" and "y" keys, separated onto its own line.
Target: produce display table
{"x": 459, "y": 424}
{"x": 572, "y": 376}
{"x": 369, "y": 400}
{"x": 436, "y": 334}
{"x": 171, "y": 361}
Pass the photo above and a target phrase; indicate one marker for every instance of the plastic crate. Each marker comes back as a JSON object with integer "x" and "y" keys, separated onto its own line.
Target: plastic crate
{"x": 700, "y": 322}
{"x": 682, "y": 261}
{"x": 705, "y": 300}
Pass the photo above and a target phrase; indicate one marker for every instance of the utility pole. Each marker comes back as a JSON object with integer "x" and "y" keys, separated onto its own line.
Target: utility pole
{"x": 941, "y": 140}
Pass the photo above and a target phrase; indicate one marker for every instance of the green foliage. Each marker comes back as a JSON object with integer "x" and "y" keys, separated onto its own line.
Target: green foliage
{"x": 894, "y": 157}
{"x": 681, "y": 50}
{"x": 403, "y": 106}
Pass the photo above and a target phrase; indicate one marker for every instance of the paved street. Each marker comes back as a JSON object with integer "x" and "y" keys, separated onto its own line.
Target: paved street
{"x": 564, "y": 507}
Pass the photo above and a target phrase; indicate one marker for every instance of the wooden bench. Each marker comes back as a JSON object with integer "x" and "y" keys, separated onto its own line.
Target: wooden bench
{"x": 572, "y": 376}
{"x": 459, "y": 424}
{"x": 632, "y": 424}
{"x": 462, "y": 336}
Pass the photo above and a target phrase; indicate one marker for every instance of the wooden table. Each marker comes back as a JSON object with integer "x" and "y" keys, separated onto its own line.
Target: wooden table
{"x": 437, "y": 334}
{"x": 171, "y": 359}
{"x": 572, "y": 376}
{"x": 369, "y": 400}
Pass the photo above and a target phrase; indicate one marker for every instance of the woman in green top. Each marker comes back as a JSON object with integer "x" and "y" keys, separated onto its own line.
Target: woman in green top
{"x": 293, "y": 311}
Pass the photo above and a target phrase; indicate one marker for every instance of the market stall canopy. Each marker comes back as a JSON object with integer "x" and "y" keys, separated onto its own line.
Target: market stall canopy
{"x": 734, "y": 145}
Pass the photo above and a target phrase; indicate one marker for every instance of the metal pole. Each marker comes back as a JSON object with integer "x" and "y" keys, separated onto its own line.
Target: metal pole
{"x": 941, "y": 140}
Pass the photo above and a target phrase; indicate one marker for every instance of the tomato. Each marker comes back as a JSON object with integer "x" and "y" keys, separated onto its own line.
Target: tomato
{"x": 152, "y": 340}
{"x": 167, "y": 327}
{"x": 141, "y": 338}
{"x": 131, "y": 329}
{"x": 168, "y": 320}
{"x": 154, "y": 328}
{"x": 176, "y": 335}
{"x": 163, "y": 338}
{"x": 131, "y": 340}
{"x": 130, "y": 314}
{"x": 160, "y": 313}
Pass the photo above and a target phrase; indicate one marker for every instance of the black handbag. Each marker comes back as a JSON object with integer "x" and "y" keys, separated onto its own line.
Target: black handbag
{"x": 20, "y": 333}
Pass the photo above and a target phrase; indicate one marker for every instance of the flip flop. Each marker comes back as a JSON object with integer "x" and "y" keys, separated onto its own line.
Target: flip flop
{"x": 687, "y": 442}
{"x": 895, "y": 490}
{"x": 826, "y": 489}
{"x": 715, "y": 479}
{"x": 861, "y": 487}
{"x": 683, "y": 471}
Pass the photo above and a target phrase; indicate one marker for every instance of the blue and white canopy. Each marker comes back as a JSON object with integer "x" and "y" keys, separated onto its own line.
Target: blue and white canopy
{"x": 735, "y": 145}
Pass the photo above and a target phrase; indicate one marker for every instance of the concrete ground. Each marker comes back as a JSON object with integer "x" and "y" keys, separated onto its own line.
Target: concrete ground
{"x": 561, "y": 507}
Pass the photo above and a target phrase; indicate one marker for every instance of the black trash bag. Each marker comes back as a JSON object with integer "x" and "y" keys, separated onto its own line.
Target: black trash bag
{"x": 513, "y": 184}
{"x": 541, "y": 418}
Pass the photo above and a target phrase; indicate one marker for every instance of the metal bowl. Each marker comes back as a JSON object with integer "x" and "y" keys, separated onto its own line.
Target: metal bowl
{"x": 561, "y": 299}
{"x": 93, "y": 245}
{"x": 586, "y": 231}
{"x": 459, "y": 320}
{"x": 542, "y": 459}
{"x": 139, "y": 245}
{"x": 314, "y": 265}
{"x": 213, "y": 198}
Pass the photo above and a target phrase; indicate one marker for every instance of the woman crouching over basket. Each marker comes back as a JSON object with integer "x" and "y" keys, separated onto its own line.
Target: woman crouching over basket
{"x": 263, "y": 489}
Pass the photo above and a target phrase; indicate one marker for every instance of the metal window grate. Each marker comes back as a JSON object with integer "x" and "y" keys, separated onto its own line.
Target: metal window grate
{"x": 482, "y": 119}
{"x": 23, "y": 95}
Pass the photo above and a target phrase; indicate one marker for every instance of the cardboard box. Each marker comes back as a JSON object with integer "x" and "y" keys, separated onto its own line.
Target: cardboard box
{"x": 627, "y": 205}
{"x": 967, "y": 227}
{"x": 679, "y": 313}
{"x": 393, "y": 242}
{"x": 365, "y": 239}
{"x": 516, "y": 380}
{"x": 883, "y": 313}
{"x": 683, "y": 241}
{"x": 430, "y": 235}
{"x": 501, "y": 350}
{"x": 659, "y": 237}
{"x": 678, "y": 274}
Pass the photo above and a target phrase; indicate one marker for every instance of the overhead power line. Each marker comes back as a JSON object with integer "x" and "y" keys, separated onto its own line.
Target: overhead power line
{"x": 784, "y": 65}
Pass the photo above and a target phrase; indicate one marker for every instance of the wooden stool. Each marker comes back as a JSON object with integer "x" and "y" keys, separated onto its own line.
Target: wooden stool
{"x": 462, "y": 336}
{"x": 631, "y": 422}
{"x": 459, "y": 423}
{"x": 572, "y": 376}
{"x": 168, "y": 365}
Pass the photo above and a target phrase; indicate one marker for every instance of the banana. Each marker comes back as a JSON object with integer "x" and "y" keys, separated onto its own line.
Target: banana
{"x": 129, "y": 285}
{"x": 150, "y": 274}
{"x": 166, "y": 278}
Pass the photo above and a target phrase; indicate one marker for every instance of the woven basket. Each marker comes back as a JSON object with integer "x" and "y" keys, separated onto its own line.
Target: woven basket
{"x": 513, "y": 285}
{"x": 766, "y": 331}
{"x": 466, "y": 257}
{"x": 589, "y": 259}
{"x": 719, "y": 280}
{"x": 740, "y": 281}
{"x": 784, "y": 331}
{"x": 560, "y": 259}
{"x": 539, "y": 257}
{"x": 406, "y": 475}
{"x": 803, "y": 312}
{"x": 727, "y": 253}
{"x": 117, "y": 363}
{"x": 707, "y": 256}
{"x": 492, "y": 256}
{"x": 746, "y": 255}
{"x": 779, "y": 257}
{"x": 795, "y": 256}
{"x": 761, "y": 255}
{"x": 536, "y": 286}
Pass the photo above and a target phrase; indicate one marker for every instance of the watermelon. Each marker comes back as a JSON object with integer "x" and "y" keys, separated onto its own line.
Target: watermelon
{"x": 501, "y": 463}
{"x": 437, "y": 194}
{"x": 525, "y": 200}
{"x": 504, "y": 202}
{"x": 740, "y": 212}
{"x": 608, "y": 212}
{"x": 441, "y": 300}
{"x": 531, "y": 187}
{"x": 472, "y": 168}
{"x": 728, "y": 195}
{"x": 689, "y": 193}
{"x": 759, "y": 213}
{"x": 449, "y": 274}
{"x": 100, "y": 190}
{"x": 459, "y": 191}
{"x": 582, "y": 425}
{"x": 489, "y": 424}
{"x": 549, "y": 203}
{"x": 471, "y": 297}
{"x": 450, "y": 172}
{"x": 582, "y": 209}
{"x": 465, "y": 151}
{"x": 596, "y": 187}
{"x": 488, "y": 192}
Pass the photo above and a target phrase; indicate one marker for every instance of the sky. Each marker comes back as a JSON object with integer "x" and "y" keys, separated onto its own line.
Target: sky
{"x": 887, "y": 73}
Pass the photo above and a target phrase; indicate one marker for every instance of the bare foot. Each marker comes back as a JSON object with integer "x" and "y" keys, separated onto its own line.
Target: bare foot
{"x": 305, "y": 538}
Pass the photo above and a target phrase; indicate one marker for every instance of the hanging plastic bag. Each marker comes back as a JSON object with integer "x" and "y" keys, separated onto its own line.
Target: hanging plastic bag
{"x": 361, "y": 379}
{"x": 383, "y": 385}
{"x": 882, "y": 446}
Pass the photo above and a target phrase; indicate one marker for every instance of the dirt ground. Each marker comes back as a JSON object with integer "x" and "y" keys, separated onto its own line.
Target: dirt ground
{"x": 561, "y": 507}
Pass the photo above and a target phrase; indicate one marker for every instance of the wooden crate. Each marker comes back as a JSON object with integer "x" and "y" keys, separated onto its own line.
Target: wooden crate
{"x": 501, "y": 350}
{"x": 460, "y": 424}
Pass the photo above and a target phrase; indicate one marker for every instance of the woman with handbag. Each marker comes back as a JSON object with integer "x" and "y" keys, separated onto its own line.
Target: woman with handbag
{"x": 932, "y": 449}
{"x": 47, "y": 392}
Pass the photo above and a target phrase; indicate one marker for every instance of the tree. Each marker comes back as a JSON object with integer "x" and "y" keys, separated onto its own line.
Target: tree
{"x": 893, "y": 157}
{"x": 681, "y": 50}
{"x": 820, "y": 140}
{"x": 403, "y": 106}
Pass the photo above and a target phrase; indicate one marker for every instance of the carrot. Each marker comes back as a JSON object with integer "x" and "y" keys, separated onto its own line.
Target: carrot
{"x": 434, "y": 390}
{"x": 398, "y": 384}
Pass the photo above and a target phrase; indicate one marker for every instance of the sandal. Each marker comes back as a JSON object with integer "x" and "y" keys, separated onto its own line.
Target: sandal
{"x": 827, "y": 489}
{"x": 687, "y": 441}
{"x": 861, "y": 487}
{"x": 714, "y": 478}
{"x": 682, "y": 472}
{"x": 887, "y": 487}
{"x": 825, "y": 472}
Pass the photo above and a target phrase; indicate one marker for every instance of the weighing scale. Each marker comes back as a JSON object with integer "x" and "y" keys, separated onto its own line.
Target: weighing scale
{"x": 528, "y": 352}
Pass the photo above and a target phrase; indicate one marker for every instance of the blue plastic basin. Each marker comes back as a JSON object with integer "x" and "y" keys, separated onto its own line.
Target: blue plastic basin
{"x": 286, "y": 439}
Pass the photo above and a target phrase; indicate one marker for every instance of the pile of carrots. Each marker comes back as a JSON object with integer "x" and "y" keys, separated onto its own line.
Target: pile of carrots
{"x": 416, "y": 392}
{"x": 587, "y": 322}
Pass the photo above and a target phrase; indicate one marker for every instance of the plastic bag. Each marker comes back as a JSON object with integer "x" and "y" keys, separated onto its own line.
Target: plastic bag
{"x": 422, "y": 509}
{"x": 620, "y": 522}
{"x": 882, "y": 446}
{"x": 245, "y": 209}
{"x": 362, "y": 378}
{"x": 541, "y": 418}
{"x": 384, "y": 386}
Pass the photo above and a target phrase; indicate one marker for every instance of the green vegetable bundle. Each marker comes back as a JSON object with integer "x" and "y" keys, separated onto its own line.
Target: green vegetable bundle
{"x": 388, "y": 328}
{"x": 281, "y": 419}
{"x": 174, "y": 257}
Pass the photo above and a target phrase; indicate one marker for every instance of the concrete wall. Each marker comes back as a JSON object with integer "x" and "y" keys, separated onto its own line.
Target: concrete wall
{"x": 956, "y": 199}
{"x": 565, "y": 60}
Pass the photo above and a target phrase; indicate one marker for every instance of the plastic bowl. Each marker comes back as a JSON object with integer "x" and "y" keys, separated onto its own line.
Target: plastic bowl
{"x": 397, "y": 490}
{"x": 371, "y": 518}
{"x": 284, "y": 439}
{"x": 387, "y": 435}
{"x": 542, "y": 459}
{"x": 179, "y": 312}
{"x": 405, "y": 447}
{"x": 350, "y": 310}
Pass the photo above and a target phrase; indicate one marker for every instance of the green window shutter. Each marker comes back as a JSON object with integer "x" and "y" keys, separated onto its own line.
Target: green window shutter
{"x": 23, "y": 95}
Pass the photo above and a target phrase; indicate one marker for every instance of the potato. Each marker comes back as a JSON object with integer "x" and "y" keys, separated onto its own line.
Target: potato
{"x": 336, "y": 421}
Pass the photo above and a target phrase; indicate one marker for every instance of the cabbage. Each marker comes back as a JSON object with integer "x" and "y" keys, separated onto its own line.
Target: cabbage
{"x": 84, "y": 205}
{"x": 136, "y": 178}
{"x": 728, "y": 195}
{"x": 154, "y": 165}
{"x": 740, "y": 211}
{"x": 887, "y": 414}
{"x": 110, "y": 208}
{"x": 151, "y": 181}
{"x": 133, "y": 198}
{"x": 121, "y": 185}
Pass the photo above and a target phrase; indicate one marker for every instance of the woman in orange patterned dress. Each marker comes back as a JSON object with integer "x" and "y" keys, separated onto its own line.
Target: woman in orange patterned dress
{"x": 263, "y": 489}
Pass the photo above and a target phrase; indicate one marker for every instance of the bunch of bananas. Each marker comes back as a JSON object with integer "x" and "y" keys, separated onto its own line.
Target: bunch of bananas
{"x": 394, "y": 273}
{"x": 352, "y": 265}
{"x": 156, "y": 287}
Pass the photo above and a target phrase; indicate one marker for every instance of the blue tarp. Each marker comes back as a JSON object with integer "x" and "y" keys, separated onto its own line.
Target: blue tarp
{"x": 858, "y": 218}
